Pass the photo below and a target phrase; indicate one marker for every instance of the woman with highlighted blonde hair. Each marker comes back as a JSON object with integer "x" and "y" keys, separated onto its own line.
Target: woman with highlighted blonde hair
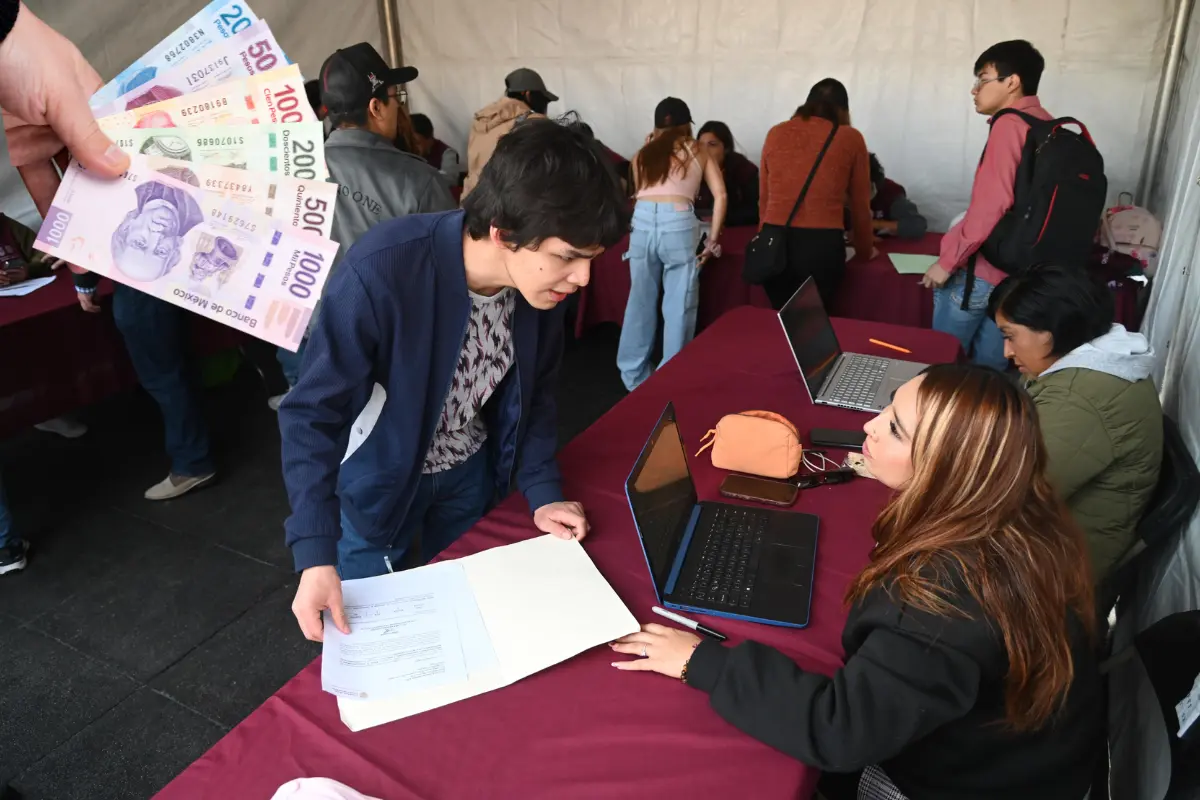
{"x": 969, "y": 668}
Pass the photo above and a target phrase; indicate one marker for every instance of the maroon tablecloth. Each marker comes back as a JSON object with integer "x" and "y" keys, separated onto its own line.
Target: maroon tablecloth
{"x": 582, "y": 729}
{"x": 57, "y": 358}
{"x": 871, "y": 290}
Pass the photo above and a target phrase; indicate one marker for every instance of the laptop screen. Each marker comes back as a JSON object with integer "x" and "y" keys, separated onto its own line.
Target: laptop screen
{"x": 811, "y": 336}
{"x": 662, "y": 496}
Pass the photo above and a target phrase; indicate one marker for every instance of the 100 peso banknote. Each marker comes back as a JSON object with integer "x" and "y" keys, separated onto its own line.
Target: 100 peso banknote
{"x": 169, "y": 239}
{"x": 291, "y": 202}
{"x": 218, "y": 20}
{"x": 250, "y": 52}
{"x": 277, "y": 96}
{"x": 295, "y": 150}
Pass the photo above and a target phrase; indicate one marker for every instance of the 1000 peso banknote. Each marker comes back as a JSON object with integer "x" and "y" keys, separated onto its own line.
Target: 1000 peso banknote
{"x": 297, "y": 151}
{"x": 156, "y": 234}
{"x": 218, "y": 20}
{"x": 250, "y": 52}
{"x": 270, "y": 97}
{"x": 291, "y": 202}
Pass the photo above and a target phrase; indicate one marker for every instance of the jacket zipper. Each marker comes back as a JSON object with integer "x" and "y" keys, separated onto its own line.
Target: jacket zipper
{"x": 1049, "y": 211}
{"x": 445, "y": 394}
{"x": 512, "y": 469}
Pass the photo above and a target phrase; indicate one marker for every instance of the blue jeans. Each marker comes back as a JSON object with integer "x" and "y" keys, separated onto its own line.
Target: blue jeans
{"x": 978, "y": 334}
{"x": 155, "y": 334}
{"x": 290, "y": 362}
{"x": 6, "y": 522}
{"x": 662, "y": 255}
{"x": 445, "y": 507}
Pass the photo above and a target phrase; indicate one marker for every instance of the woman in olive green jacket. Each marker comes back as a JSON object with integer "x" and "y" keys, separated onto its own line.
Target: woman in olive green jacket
{"x": 1098, "y": 408}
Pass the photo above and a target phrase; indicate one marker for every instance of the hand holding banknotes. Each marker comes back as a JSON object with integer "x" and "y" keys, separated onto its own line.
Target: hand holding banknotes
{"x": 320, "y": 589}
{"x": 44, "y": 88}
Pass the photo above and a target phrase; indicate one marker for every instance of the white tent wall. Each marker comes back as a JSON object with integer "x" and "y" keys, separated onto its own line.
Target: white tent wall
{"x": 112, "y": 33}
{"x": 907, "y": 65}
{"x": 1171, "y": 582}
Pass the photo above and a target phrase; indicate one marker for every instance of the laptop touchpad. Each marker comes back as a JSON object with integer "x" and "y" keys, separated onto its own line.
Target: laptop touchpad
{"x": 784, "y": 564}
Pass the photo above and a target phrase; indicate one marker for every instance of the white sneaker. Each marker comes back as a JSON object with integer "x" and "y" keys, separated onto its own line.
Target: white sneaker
{"x": 174, "y": 486}
{"x": 274, "y": 402}
{"x": 66, "y": 427}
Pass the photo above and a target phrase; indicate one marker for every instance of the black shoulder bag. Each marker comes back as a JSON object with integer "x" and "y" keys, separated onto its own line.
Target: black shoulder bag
{"x": 766, "y": 255}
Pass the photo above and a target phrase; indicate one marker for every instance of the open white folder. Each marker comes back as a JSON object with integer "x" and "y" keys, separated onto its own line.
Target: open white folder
{"x": 518, "y": 594}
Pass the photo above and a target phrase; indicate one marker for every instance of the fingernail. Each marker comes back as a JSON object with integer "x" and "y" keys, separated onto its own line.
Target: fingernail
{"x": 116, "y": 156}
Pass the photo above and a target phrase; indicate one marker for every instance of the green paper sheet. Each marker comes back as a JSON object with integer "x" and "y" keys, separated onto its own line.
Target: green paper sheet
{"x": 908, "y": 264}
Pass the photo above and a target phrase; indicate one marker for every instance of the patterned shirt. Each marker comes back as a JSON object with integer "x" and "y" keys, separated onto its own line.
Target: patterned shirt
{"x": 485, "y": 358}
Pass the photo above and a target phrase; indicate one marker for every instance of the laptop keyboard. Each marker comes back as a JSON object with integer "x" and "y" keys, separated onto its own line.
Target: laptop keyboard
{"x": 729, "y": 561}
{"x": 858, "y": 382}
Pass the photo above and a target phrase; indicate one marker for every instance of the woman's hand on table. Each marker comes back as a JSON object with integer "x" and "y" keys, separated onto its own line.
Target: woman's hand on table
{"x": 935, "y": 277}
{"x": 659, "y": 649}
{"x": 565, "y": 520}
{"x": 15, "y": 275}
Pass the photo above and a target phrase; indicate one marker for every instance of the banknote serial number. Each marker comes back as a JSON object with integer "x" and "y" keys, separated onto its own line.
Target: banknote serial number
{"x": 220, "y": 141}
{"x": 200, "y": 108}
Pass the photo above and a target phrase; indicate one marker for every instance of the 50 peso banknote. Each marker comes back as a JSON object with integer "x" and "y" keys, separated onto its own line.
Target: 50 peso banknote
{"x": 172, "y": 240}
{"x": 218, "y": 20}
{"x": 277, "y": 96}
{"x": 250, "y": 52}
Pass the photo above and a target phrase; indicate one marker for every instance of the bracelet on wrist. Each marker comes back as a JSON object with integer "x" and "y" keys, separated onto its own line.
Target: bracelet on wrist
{"x": 85, "y": 289}
{"x": 686, "y": 664}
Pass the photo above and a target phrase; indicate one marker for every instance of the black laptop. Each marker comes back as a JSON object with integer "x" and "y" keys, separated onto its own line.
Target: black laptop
{"x": 717, "y": 558}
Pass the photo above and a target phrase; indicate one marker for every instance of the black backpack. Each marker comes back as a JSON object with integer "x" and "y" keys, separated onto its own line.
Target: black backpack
{"x": 1059, "y": 195}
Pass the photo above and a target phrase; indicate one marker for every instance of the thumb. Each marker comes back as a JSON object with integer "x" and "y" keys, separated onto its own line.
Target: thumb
{"x": 339, "y": 615}
{"x": 72, "y": 120}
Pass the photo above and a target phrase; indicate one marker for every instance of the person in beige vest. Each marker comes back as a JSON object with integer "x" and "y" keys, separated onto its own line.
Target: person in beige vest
{"x": 525, "y": 95}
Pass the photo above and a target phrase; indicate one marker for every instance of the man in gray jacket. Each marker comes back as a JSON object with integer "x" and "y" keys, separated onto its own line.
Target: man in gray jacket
{"x": 378, "y": 181}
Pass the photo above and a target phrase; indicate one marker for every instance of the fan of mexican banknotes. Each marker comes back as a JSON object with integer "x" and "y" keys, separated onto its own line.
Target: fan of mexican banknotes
{"x": 225, "y": 210}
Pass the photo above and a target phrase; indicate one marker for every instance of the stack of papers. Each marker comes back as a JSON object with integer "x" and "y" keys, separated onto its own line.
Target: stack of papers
{"x": 446, "y": 632}
{"x": 225, "y": 210}
{"x": 909, "y": 264}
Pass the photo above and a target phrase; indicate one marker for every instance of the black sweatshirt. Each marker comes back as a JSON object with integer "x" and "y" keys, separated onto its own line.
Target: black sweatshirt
{"x": 921, "y": 696}
{"x": 741, "y": 190}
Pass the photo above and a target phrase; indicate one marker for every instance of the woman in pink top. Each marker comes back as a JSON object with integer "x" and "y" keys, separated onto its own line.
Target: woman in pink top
{"x": 664, "y": 250}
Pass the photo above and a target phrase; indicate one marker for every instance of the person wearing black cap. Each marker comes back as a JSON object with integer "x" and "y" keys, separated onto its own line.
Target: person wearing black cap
{"x": 365, "y": 100}
{"x": 664, "y": 241}
{"x": 428, "y": 389}
{"x": 525, "y": 95}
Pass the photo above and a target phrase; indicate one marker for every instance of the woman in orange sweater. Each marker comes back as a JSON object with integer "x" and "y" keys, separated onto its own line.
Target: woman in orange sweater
{"x": 815, "y": 243}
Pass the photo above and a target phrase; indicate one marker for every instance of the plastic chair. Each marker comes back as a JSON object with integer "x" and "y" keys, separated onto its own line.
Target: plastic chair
{"x": 1173, "y": 504}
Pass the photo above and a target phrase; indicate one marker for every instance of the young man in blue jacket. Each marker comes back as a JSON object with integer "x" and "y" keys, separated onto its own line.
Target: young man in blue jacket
{"x": 428, "y": 384}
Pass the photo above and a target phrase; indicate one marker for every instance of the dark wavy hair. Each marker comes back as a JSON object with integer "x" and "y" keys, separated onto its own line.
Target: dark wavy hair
{"x": 548, "y": 180}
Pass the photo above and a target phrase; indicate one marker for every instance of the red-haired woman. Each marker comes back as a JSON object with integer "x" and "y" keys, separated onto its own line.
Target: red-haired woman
{"x": 969, "y": 664}
{"x": 662, "y": 244}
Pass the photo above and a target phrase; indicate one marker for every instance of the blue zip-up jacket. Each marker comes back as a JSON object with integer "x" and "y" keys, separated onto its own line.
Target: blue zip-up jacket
{"x": 395, "y": 314}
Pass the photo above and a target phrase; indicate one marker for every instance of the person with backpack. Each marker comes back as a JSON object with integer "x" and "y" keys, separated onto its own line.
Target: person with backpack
{"x": 1017, "y": 216}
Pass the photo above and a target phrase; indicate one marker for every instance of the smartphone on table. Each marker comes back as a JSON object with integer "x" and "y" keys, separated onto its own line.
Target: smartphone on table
{"x": 843, "y": 440}
{"x": 759, "y": 490}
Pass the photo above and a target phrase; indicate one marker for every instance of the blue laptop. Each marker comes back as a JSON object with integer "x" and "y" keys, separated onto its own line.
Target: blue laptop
{"x": 717, "y": 558}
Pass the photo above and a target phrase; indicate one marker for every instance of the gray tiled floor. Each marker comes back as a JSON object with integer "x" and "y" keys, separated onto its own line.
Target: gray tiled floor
{"x": 140, "y": 633}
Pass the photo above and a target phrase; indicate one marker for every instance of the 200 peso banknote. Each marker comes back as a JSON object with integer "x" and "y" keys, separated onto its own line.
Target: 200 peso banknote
{"x": 250, "y": 52}
{"x": 218, "y": 20}
{"x": 165, "y": 237}
{"x": 295, "y": 150}
{"x": 270, "y": 97}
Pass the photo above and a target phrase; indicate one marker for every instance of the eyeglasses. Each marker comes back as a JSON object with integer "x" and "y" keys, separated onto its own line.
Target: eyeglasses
{"x": 399, "y": 94}
{"x": 980, "y": 82}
